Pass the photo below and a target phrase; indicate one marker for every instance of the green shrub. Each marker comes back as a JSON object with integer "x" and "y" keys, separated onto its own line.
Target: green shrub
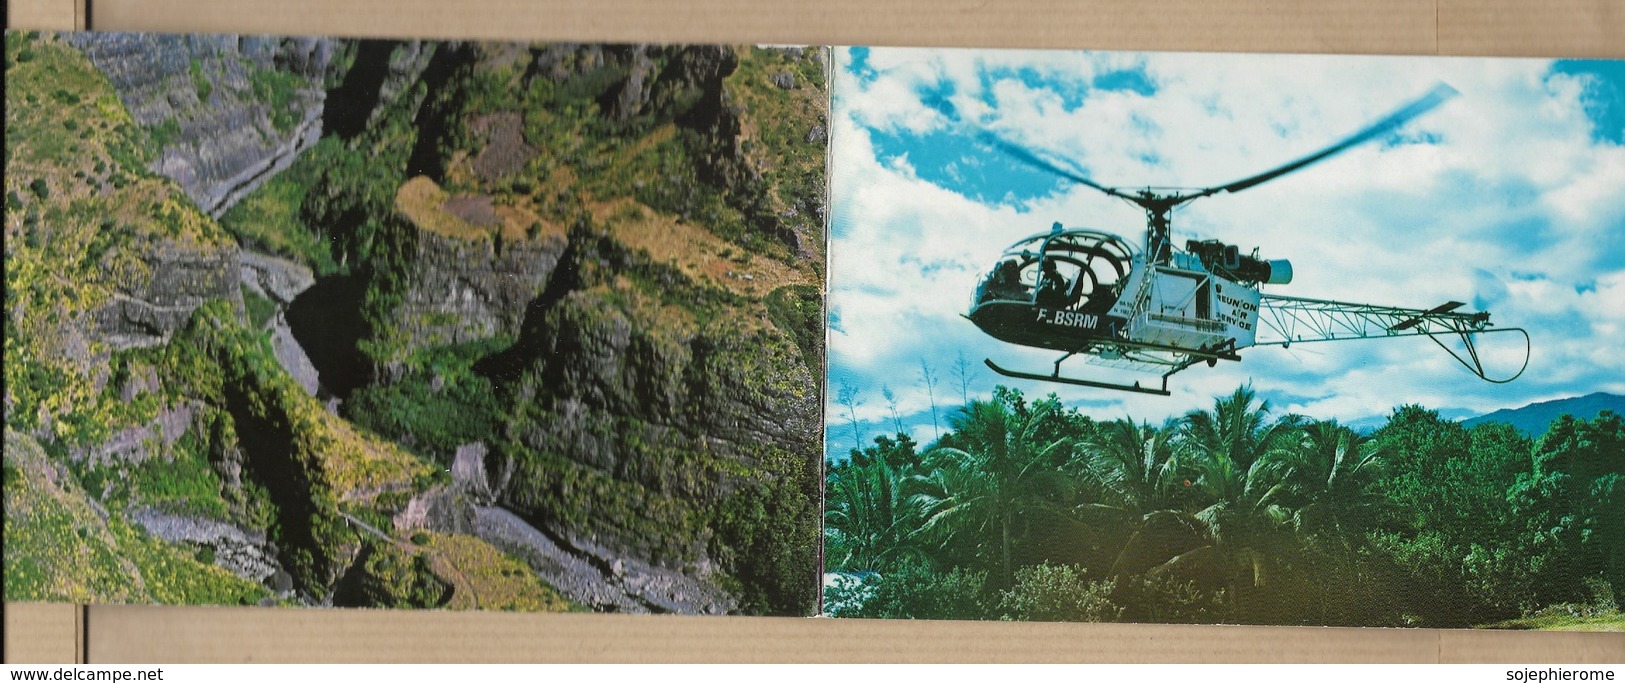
{"x": 1059, "y": 593}
{"x": 913, "y": 591}
{"x": 200, "y": 82}
{"x": 260, "y": 309}
{"x": 277, "y": 90}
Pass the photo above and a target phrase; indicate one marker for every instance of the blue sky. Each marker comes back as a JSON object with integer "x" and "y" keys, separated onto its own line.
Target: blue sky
{"x": 1508, "y": 197}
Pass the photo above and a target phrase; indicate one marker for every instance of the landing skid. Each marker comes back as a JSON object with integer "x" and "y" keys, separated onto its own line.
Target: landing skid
{"x": 1056, "y": 377}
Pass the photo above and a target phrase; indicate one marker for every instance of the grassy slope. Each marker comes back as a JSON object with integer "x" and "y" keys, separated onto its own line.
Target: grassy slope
{"x": 59, "y": 548}
{"x": 483, "y": 577}
{"x": 83, "y": 215}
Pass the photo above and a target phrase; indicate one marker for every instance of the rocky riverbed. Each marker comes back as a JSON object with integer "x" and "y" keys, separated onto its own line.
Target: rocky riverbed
{"x": 248, "y": 554}
{"x": 601, "y": 581}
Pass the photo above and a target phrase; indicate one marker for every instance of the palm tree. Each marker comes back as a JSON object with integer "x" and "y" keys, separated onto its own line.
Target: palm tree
{"x": 1133, "y": 467}
{"x": 1236, "y": 432}
{"x": 1239, "y": 458}
{"x": 1002, "y": 476}
{"x": 1332, "y": 489}
{"x": 1333, "y": 483}
{"x": 1138, "y": 485}
{"x": 866, "y": 507}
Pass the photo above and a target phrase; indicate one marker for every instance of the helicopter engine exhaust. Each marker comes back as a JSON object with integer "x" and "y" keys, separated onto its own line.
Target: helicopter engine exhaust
{"x": 1271, "y": 272}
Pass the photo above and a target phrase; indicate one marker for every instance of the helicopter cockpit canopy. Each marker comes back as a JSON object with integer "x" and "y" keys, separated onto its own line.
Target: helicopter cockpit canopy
{"x": 1065, "y": 269}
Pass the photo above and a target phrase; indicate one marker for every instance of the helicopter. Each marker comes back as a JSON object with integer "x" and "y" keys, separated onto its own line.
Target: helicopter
{"x": 1164, "y": 308}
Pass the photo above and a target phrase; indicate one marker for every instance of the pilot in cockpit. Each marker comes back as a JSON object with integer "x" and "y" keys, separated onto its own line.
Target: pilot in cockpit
{"x": 1004, "y": 283}
{"x": 1052, "y": 287}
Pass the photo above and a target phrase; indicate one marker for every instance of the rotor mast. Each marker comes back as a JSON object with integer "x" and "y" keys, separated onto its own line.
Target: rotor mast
{"x": 1158, "y": 224}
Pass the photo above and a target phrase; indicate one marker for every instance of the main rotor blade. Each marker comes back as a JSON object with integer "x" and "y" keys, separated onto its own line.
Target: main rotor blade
{"x": 1422, "y": 105}
{"x": 1028, "y": 157}
{"x": 1021, "y": 154}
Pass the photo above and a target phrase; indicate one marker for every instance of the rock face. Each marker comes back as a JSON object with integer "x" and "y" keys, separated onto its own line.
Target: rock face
{"x": 134, "y": 445}
{"x": 468, "y": 469}
{"x": 281, "y": 281}
{"x": 274, "y": 278}
{"x": 291, "y": 356}
{"x": 247, "y": 554}
{"x": 237, "y": 109}
{"x": 466, "y": 290}
{"x": 147, "y": 305}
{"x": 381, "y": 74}
{"x": 476, "y": 266}
{"x": 638, "y": 424}
{"x": 598, "y": 578}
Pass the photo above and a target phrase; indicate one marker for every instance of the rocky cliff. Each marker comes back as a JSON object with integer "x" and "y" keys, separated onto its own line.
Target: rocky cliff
{"x": 476, "y": 265}
{"x": 146, "y": 307}
{"x": 637, "y": 420}
{"x": 228, "y": 111}
{"x": 523, "y": 318}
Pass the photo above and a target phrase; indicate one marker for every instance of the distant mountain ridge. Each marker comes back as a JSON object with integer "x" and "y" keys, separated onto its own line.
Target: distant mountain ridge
{"x": 1533, "y": 419}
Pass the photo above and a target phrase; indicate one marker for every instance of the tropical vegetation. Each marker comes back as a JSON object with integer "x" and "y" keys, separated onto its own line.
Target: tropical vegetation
{"x": 1029, "y": 510}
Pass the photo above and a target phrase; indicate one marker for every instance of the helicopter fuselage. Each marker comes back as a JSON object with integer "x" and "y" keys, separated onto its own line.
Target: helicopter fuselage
{"x": 1087, "y": 292}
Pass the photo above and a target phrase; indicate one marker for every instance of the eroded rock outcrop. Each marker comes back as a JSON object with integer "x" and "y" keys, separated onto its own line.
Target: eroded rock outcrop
{"x": 248, "y": 554}
{"x": 644, "y": 415}
{"x": 275, "y": 278}
{"x": 281, "y": 281}
{"x": 231, "y": 111}
{"x": 476, "y": 267}
{"x": 148, "y": 303}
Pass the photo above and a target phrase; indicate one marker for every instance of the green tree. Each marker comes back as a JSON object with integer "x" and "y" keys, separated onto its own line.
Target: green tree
{"x": 1132, "y": 467}
{"x": 1000, "y": 480}
{"x": 1573, "y": 506}
{"x": 1449, "y": 522}
{"x": 1332, "y": 483}
{"x": 867, "y": 518}
{"x": 1139, "y": 489}
{"x": 913, "y": 590}
{"x": 1240, "y": 457}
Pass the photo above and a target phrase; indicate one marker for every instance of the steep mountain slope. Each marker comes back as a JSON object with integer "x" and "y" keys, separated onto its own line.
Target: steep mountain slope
{"x": 629, "y": 248}
{"x": 522, "y": 318}
{"x": 228, "y": 111}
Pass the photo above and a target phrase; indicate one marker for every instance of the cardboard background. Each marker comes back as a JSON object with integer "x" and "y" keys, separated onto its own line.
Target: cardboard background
{"x": 105, "y": 634}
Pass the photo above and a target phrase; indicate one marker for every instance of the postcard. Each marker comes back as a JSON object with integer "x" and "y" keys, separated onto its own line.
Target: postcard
{"x": 500, "y": 326}
{"x": 1209, "y": 338}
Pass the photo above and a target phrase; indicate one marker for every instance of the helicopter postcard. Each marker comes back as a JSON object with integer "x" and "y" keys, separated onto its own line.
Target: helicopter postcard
{"x": 1226, "y": 339}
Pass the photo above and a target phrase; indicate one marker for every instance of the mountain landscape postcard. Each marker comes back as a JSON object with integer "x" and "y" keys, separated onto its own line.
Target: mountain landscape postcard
{"x": 310, "y": 321}
{"x": 1204, "y": 338}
